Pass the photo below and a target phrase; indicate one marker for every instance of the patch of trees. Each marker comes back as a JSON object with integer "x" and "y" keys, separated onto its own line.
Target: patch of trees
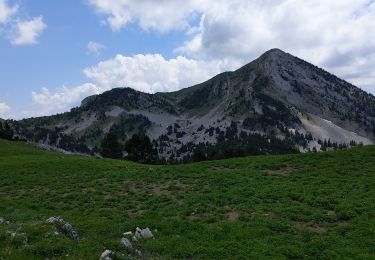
{"x": 328, "y": 144}
{"x": 111, "y": 147}
{"x": 242, "y": 145}
{"x": 5, "y": 131}
{"x": 138, "y": 148}
{"x": 232, "y": 143}
{"x": 199, "y": 98}
{"x": 129, "y": 123}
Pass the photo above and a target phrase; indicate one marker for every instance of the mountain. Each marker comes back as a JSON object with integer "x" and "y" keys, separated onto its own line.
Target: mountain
{"x": 276, "y": 104}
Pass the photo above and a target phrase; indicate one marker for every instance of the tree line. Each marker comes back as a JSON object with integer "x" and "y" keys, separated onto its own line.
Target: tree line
{"x": 5, "y": 131}
{"x": 138, "y": 148}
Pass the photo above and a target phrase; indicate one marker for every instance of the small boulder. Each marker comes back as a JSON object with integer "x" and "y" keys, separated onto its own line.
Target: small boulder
{"x": 129, "y": 233}
{"x": 126, "y": 243}
{"x": 54, "y": 219}
{"x": 63, "y": 227}
{"x": 138, "y": 252}
{"x": 137, "y": 234}
{"x": 106, "y": 255}
{"x": 68, "y": 230}
{"x": 146, "y": 233}
{"x": 2, "y": 220}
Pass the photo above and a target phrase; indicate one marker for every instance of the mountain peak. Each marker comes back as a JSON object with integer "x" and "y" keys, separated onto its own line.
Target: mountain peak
{"x": 268, "y": 57}
{"x": 274, "y": 54}
{"x": 275, "y": 51}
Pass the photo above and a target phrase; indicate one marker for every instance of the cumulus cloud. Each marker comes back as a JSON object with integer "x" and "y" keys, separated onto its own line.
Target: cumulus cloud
{"x": 242, "y": 30}
{"x": 16, "y": 29}
{"x": 4, "y": 108}
{"x": 334, "y": 34}
{"x": 162, "y": 16}
{"x": 6, "y": 11}
{"x": 63, "y": 98}
{"x": 151, "y": 73}
{"x": 95, "y": 48}
{"x": 148, "y": 73}
{"x": 27, "y": 32}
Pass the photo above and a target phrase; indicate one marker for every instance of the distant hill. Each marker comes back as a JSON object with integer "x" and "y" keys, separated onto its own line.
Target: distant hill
{"x": 276, "y": 104}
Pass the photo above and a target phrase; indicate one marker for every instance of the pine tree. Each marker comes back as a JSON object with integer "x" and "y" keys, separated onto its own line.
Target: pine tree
{"x": 111, "y": 147}
{"x": 5, "y": 131}
{"x": 140, "y": 149}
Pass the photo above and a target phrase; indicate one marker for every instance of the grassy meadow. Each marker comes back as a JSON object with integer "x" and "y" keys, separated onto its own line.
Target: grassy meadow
{"x": 317, "y": 205}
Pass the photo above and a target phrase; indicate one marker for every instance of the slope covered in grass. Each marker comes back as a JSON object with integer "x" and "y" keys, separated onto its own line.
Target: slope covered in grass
{"x": 294, "y": 206}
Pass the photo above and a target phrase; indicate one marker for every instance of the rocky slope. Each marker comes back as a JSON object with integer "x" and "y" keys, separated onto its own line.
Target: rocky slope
{"x": 276, "y": 104}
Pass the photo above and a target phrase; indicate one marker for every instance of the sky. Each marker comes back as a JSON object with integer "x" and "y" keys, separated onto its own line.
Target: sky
{"x": 55, "y": 53}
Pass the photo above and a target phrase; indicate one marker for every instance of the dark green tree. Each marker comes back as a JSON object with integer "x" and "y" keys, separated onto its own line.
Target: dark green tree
{"x": 5, "y": 131}
{"x": 140, "y": 149}
{"x": 111, "y": 147}
{"x": 199, "y": 155}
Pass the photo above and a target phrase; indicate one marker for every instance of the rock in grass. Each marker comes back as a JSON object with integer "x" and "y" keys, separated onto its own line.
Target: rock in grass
{"x": 138, "y": 252}
{"x": 55, "y": 219}
{"x": 137, "y": 233}
{"x": 106, "y": 255}
{"x": 69, "y": 231}
{"x": 126, "y": 243}
{"x": 64, "y": 227}
{"x": 129, "y": 233}
{"x": 142, "y": 233}
{"x": 2, "y": 220}
{"x": 146, "y": 233}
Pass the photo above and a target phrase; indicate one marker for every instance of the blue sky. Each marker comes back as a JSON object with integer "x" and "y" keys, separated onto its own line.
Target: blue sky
{"x": 54, "y": 53}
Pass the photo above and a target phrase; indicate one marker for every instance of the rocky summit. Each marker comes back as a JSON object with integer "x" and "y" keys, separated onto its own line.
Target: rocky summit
{"x": 276, "y": 104}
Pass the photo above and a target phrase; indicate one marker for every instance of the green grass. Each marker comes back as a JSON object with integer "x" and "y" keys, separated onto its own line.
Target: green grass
{"x": 318, "y": 205}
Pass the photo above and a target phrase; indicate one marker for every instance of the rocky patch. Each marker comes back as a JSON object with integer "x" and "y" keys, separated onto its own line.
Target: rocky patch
{"x": 106, "y": 255}
{"x": 64, "y": 227}
{"x": 131, "y": 243}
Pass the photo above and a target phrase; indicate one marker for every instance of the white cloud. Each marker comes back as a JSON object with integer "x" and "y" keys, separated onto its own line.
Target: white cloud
{"x": 148, "y": 73}
{"x": 95, "y": 48}
{"x": 27, "y": 32}
{"x": 62, "y": 99}
{"x": 335, "y": 34}
{"x": 4, "y": 108}
{"x": 162, "y": 15}
{"x": 151, "y": 73}
{"x": 6, "y": 11}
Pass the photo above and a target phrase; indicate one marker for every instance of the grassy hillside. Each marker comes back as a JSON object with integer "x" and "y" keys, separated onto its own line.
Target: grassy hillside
{"x": 295, "y": 206}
